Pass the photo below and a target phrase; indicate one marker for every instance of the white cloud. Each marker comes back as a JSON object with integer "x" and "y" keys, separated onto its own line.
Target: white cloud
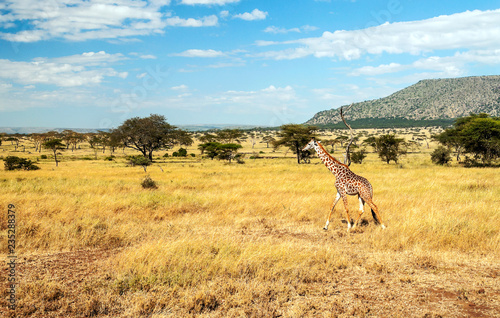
{"x": 200, "y": 53}
{"x": 87, "y": 58}
{"x": 447, "y": 66}
{"x": 208, "y": 2}
{"x": 148, "y": 56}
{"x": 276, "y": 30}
{"x": 143, "y": 56}
{"x": 270, "y": 96}
{"x": 224, "y": 14}
{"x": 210, "y": 20}
{"x": 181, "y": 87}
{"x": 256, "y": 14}
{"x": 470, "y": 29}
{"x": 377, "y": 70}
{"x": 77, "y": 70}
{"x": 80, "y": 20}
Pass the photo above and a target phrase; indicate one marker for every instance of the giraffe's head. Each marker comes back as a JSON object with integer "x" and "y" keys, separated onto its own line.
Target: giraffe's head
{"x": 313, "y": 143}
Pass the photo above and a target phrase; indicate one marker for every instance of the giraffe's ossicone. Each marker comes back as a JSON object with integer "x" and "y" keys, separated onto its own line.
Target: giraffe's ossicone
{"x": 347, "y": 183}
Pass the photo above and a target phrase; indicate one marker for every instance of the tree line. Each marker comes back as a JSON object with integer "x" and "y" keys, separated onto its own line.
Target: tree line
{"x": 476, "y": 136}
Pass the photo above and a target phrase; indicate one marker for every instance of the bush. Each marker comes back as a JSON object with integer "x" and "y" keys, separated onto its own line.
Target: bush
{"x": 441, "y": 155}
{"x": 139, "y": 161}
{"x": 165, "y": 155}
{"x": 110, "y": 158}
{"x": 43, "y": 157}
{"x": 358, "y": 156}
{"x": 180, "y": 153}
{"x": 239, "y": 158}
{"x": 149, "y": 183}
{"x": 16, "y": 163}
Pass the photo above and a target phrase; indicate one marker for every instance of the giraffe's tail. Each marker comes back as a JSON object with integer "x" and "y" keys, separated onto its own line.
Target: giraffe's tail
{"x": 377, "y": 221}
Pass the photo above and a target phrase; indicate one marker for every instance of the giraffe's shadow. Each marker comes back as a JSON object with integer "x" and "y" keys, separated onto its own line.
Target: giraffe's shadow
{"x": 362, "y": 222}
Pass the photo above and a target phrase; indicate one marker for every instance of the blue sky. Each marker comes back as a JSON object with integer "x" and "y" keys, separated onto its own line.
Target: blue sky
{"x": 96, "y": 63}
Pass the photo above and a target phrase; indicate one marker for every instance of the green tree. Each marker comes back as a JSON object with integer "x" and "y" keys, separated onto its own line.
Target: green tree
{"x": 267, "y": 140}
{"x": 229, "y": 136}
{"x": 481, "y": 138}
{"x": 54, "y": 145}
{"x": 390, "y": 148}
{"x": 477, "y": 134}
{"x": 150, "y": 134}
{"x": 220, "y": 151}
{"x": 295, "y": 137}
{"x": 451, "y": 138}
{"x": 228, "y": 151}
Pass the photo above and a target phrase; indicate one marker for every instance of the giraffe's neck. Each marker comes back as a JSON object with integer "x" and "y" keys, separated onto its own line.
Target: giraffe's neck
{"x": 330, "y": 162}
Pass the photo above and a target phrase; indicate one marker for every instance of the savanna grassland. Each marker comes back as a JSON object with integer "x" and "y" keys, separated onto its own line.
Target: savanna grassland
{"x": 246, "y": 240}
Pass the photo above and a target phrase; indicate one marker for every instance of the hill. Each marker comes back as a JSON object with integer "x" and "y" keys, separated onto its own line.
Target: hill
{"x": 38, "y": 130}
{"x": 432, "y": 101}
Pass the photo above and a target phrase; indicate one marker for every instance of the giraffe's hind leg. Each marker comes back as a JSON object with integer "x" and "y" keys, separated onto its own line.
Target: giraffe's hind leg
{"x": 361, "y": 210}
{"x": 337, "y": 198}
{"x": 375, "y": 213}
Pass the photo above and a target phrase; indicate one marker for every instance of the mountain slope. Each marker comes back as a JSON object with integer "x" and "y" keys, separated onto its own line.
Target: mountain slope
{"x": 427, "y": 100}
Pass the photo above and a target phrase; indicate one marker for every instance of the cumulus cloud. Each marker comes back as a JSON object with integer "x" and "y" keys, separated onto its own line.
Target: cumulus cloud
{"x": 470, "y": 29}
{"x": 80, "y": 20}
{"x": 77, "y": 70}
{"x": 256, "y": 14}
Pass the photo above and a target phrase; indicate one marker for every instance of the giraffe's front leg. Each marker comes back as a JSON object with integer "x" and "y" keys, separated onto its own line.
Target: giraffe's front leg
{"x": 337, "y": 198}
{"x": 346, "y": 206}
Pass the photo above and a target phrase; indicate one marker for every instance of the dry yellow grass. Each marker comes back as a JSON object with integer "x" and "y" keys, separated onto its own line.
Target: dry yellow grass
{"x": 219, "y": 240}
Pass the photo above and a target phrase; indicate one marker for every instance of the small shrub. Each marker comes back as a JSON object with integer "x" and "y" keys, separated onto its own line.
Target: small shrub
{"x": 358, "y": 156}
{"x": 180, "y": 153}
{"x": 110, "y": 158}
{"x": 16, "y": 163}
{"x": 165, "y": 155}
{"x": 149, "y": 183}
{"x": 472, "y": 163}
{"x": 43, "y": 157}
{"x": 139, "y": 161}
{"x": 239, "y": 158}
{"x": 441, "y": 155}
{"x": 193, "y": 155}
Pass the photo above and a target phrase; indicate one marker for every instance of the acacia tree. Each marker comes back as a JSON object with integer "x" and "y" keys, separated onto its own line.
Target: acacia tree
{"x": 229, "y": 136}
{"x": 295, "y": 137}
{"x": 477, "y": 134}
{"x": 54, "y": 145}
{"x": 389, "y": 147}
{"x": 150, "y": 134}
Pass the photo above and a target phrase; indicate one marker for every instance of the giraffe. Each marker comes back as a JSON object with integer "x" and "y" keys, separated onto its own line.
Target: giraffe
{"x": 347, "y": 183}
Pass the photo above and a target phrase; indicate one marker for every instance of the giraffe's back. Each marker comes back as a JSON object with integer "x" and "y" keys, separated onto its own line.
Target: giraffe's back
{"x": 355, "y": 184}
